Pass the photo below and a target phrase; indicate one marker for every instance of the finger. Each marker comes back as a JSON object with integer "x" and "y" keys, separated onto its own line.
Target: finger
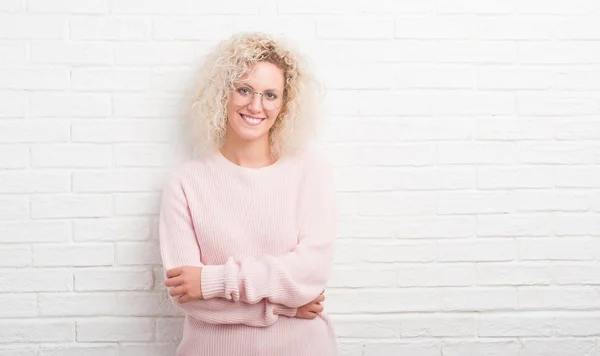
{"x": 174, "y": 272}
{"x": 175, "y": 281}
{"x": 316, "y": 308}
{"x": 319, "y": 299}
{"x": 177, "y": 291}
{"x": 184, "y": 299}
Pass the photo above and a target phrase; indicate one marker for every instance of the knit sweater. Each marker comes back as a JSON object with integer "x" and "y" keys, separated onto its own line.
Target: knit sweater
{"x": 265, "y": 239}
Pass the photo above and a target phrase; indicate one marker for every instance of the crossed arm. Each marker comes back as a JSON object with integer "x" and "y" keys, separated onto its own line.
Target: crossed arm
{"x": 254, "y": 291}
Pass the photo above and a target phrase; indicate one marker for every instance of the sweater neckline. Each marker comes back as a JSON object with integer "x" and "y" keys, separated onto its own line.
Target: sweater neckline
{"x": 252, "y": 170}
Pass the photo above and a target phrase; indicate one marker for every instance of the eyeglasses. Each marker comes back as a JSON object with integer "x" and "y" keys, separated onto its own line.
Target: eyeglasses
{"x": 244, "y": 95}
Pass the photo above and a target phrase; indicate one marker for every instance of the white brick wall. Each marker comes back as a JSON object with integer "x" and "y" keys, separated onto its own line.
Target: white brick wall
{"x": 465, "y": 136}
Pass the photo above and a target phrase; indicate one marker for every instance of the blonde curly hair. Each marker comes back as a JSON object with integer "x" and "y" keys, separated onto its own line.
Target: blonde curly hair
{"x": 227, "y": 63}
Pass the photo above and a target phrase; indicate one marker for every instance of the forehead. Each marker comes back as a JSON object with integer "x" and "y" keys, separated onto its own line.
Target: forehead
{"x": 264, "y": 75}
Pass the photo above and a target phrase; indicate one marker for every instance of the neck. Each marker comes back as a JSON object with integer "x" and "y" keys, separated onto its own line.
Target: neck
{"x": 252, "y": 154}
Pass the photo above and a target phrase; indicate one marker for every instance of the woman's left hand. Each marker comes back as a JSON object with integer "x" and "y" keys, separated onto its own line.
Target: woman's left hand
{"x": 187, "y": 283}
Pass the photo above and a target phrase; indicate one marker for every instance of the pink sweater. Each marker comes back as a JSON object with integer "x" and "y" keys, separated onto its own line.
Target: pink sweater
{"x": 265, "y": 237}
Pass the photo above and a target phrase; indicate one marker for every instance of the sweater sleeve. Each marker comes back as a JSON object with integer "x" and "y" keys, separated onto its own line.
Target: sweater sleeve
{"x": 297, "y": 277}
{"x": 179, "y": 247}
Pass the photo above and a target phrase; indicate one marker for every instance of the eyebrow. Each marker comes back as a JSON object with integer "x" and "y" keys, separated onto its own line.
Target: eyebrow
{"x": 246, "y": 84}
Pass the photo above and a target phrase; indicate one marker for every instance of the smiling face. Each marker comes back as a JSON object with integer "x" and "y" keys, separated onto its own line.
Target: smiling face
{"x": 247, "y": 118}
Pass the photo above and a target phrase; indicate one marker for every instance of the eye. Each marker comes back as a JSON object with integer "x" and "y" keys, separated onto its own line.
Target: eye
{"x": 270, "y": 96}
{"x": 243, "y": 90}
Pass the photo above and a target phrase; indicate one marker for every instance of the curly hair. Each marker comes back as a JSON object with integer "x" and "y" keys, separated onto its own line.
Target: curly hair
{"x": 227, "y": 63}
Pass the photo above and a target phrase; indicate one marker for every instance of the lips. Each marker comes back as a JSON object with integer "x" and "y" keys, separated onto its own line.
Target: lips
{"x": 252, "y": 120}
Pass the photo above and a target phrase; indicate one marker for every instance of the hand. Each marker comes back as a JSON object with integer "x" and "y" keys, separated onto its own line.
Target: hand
{"x": 310, "y": 310}
{"x": 187, "y": 283}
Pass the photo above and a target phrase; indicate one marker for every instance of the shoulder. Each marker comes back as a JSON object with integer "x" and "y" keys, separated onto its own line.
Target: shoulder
{"x": 313, "y": 158}
{"x": 187, "y": 170}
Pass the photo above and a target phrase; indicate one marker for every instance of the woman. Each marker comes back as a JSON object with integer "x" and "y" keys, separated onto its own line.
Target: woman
{"x": 247, "y": 229}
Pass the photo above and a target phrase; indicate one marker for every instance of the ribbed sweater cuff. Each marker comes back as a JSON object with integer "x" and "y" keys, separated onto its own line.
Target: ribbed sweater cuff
{"x": 212, "y": 281}
{"x": 285, "y": 311}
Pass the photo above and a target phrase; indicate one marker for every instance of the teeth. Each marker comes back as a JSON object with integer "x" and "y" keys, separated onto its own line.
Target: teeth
{"x": 252, "y": 120}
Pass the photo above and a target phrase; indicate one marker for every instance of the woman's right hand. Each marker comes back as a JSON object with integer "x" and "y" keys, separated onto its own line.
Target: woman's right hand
{"x": 310, "y": 310}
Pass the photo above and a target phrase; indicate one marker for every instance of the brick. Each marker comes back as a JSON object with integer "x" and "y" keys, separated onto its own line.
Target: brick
{"x": 478, "y": 299}
{"x": 573, "y": 225}
{"x": 510, "y": 129}
{"x": 476, "y": 250}
{"x": 111, "y": 229}
{"x": 473, "y": 202}
{"x": 22, "y": 181}
{"x": 440, "y": 77}
{"x": 36, "y": 280}
{"x": 137, "y": 203}
{"x": 563, "y": 274}
{"x": 138, "y": 253}
{"x": 476, "y": 6}
{"x": 34, "y": 231}
{"x": 521, "y": 28}
{"x": 171, "y": 80}
{"x": 382, "y": 204}
{"x": 14, "y": 207}
{"x": 181, "y": 7}
{"x": 77, "y": 304}
{"x": 492, "y": 274}
{"x": 159, "y": 53}
{"x": 34, "y": 79}
{"x": 316, "y": 7}
{"x": 21, "y": 305}
{"x": 421, "y": 348}
{"x": 210, "y": 28}
{"x": 449, "y": 325}
{"x": 577, "y": 79}
{"x": 388, "y": 300}
{"x": 71, "y": 206}
{"x": 73, "y": 255}
{"x": 14, "y": 104}
{"x": 355, "y": 251}
{"x": 555, "y": 249}
{"x": 558, "y": 7}
{"x": 126, "y": 349}
{"x": 561, "y": 52}
{"x": 12, "y": 6}
{"x": 552, "y": 298}
{"x": 556, "y": 105}
{"x": 37, "y": 131}
{"x": 13, "y": 53}
{"x": 72, "y": 155}
{"x": 408, "y": 227}
{"x": 110, "y": 79}
{"x": 513, "y": 325}
{"x": 480, "y": 153}
{"x": 391, "y": 178}
{"x": 55, "y": 52}
{"x": 498, "y": 78}
{"x": 147, "y": 106}
{"x": 577, "y": 177}
{"x": 32, "y": 26}
{"x": 531, "y": 347}
{"x": 98, "y": 28}
{"x": 150, "y": 155}
{"x": 112, "y": 279}
{"x": 119, "y": 180}
{"x": 461, "y": 51}
{"x": 19, "y": 350}
{"x": 509, "y": 177}
{"x": 363, "y": 277}
{"x": 15, "y": 256}
{"x": 578, "y": 29}
{"x": 296, "y": 28}
{"x": 124, "y": 130}
{"x": 68, "y": 6}
{"x": 369, "y": 327}
{"x": 551, "y": 200}
{"x": 169, "y": 329}
{"x": 115, "y": 329}
{"x": 480, "y": 347}
{"x": 453, "y": 27}
{"x": 577, "y": 324}
{"x": 396, "y": 7}
{"x": 435, "y": 275}
{"x": 70, "y": 105}
{"x": 514, "y": 225}
{"x": 77, "y": 349}
{"x": 354, "y": 28}
{"x": 14, "y": 156}
{"x": 147, "y": 304}
{"x": 26, "y": 331}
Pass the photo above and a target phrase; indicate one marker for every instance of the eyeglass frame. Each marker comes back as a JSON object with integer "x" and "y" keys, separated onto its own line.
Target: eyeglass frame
{"x": 234, "y": 89}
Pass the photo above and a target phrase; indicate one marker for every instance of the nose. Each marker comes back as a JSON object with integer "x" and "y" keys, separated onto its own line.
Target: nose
{"x": 255, "y": 105}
